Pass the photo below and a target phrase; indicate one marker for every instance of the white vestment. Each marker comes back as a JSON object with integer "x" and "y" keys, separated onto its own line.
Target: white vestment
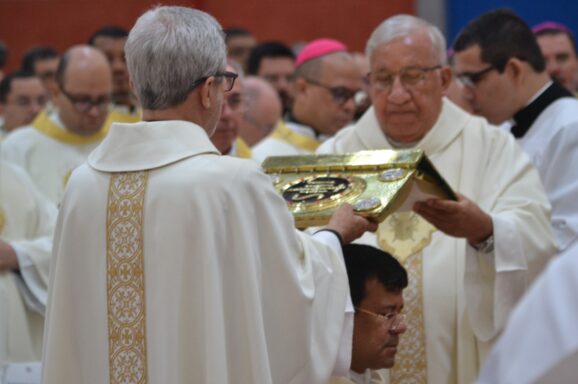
{"x": 288, "y": 139}
{"x": 467, "y": 295}
{"x": 49, "y": 152}
{"x": 540, "y": 341}
{"x": 26, "y": 222}
{"x": 233, "y": 293}
{"x": 552, "y": 144}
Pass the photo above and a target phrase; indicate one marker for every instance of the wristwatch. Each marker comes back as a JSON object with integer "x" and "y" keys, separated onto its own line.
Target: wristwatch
{"x": 486, "y": 246}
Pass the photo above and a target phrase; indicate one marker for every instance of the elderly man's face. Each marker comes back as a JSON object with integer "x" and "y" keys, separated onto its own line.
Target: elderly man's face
{"x": 228, "y": 126}
{"x": 406, "y": 86}
{"x": 25, "y": 100}
{"x": 561, "y": 60}
{"x": 490, "y": 93}
{"x": 375, "y": 337}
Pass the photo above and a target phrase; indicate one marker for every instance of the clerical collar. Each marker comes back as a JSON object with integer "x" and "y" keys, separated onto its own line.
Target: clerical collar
{"x": 360, "y": 378}
{"x": 525, "y": 117}
{"x": 400, "y": 145}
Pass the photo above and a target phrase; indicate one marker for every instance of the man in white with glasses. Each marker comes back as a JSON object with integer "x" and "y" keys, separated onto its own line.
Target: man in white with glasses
{"x": 487, "y": 246}
{"x": 326, "y": 82}
{"x": 60, "y": 141}
{"x": 174, "y": 264}
{"x": 226, "y": 136}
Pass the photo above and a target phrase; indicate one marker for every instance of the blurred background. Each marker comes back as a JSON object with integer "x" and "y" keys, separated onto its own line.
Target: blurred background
{"x": 62, "y": 23}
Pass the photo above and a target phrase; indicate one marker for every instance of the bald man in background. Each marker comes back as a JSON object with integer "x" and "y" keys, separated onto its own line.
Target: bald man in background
{"x": 262, "y": 112}
{"x": 59, "y": 141}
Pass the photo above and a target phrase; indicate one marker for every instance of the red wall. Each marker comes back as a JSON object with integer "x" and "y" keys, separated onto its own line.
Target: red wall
{"x": 62, "y": 23}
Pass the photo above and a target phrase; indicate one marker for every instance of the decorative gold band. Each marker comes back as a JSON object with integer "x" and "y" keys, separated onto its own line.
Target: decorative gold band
{"x": 125, "y": 279}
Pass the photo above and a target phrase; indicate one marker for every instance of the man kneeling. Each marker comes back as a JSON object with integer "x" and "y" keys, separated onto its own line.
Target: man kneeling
{"x": 376, "y": 282}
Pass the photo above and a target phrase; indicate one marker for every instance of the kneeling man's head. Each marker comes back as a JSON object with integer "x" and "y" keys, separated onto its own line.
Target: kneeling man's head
{"x": 376, "y": 282}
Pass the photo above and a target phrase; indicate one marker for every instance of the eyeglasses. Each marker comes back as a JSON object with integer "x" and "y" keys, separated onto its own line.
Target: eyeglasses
{"x": 410, "y": 78}
{"x": 392, "y": 320}
{"x": 227, "y": 76}
{"x": 471, "y": 79}
{"x": 340, "y": 94}
{"x": 84, "y": 103}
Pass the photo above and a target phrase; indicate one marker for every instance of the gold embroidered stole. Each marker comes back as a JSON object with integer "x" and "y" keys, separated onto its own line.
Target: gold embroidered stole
{"x": 43, "y": 123}
{"x": 405, "y": 235}
{"x": 243, "y": 149}
{"x": 125, "y": 278}
{"x": 284, "y": 133}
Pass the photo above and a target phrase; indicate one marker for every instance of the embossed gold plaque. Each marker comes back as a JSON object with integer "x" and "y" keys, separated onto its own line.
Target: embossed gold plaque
{"x": 375, "y": 183}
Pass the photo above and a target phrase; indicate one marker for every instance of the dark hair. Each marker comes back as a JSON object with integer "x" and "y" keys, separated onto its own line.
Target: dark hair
{"x": 6, "y": 83}
{"x": 365, "y": 263}
{"x": 235, "y": 32}
{"x": 37, "y": 54}
{"x": 270, "y": 49}
{"x": 501, "y": 35}
{"x": 556, "y": 31}
{"x": 3, "y": 54}
{"x": 113, "y": 31}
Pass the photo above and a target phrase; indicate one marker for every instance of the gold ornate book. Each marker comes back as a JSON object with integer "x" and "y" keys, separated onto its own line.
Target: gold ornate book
{"x": 375, "y": 183}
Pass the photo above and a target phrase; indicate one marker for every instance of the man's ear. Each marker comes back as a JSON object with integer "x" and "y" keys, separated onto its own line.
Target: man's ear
{"x": 516, "y": 69}
{"x": 446, "y": 76}
{"x": 208, "y": 93}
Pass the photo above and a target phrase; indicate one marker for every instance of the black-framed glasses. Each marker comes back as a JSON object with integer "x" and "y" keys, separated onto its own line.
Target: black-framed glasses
{"x": 409, "y": 77}
{"x": 471, "y": 79}
{"x": 85, "y": 103}
{"x": 227, "y": 76}
{"x": 391, "y": 320}
{"x": 339, "y": 94}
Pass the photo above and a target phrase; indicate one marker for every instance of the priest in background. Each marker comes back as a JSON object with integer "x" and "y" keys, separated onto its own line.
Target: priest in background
{"x": 174, "y": 264}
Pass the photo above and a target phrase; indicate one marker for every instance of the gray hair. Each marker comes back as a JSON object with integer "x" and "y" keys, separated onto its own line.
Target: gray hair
{"x": 405, "y": 25}
{"x": 168, "y": 49}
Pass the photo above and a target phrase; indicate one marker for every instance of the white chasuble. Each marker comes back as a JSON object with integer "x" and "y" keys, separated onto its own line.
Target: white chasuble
{"x": 540, "y": 344}
{"x": 49, "y": 152}
{"x": 232, "y": 292}
{"x": 26, "y": 222}
{"x": 467, "y": 295}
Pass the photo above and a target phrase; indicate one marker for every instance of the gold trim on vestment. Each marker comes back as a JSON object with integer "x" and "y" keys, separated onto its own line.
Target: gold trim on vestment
{"x": 411, "y": 359}
{"x": 43, "y": 124}
{"x": 243, "y": 149}
{"x": 125, "y": 278}
{"x": 284, "y": 133}
{"x": 2, "y": 220}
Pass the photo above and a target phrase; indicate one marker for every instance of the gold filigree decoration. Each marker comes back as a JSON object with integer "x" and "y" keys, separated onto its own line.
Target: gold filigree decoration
{"x": 411, "y": 360}
{"x": 404, "y": 233}
{"x": 125, "y": 279}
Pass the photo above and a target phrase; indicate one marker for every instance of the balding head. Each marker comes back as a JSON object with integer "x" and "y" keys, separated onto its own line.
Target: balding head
{"x": 84, "y": 89}
{"x": 263, "y": 110}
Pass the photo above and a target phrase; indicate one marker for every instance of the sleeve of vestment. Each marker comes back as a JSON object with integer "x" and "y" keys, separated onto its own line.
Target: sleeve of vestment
{"x": 34, "y": 249}
{"x": 305, "y": 286}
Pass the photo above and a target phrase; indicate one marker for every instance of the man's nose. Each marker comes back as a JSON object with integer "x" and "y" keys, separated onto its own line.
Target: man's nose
{"x": 398, "y": 92}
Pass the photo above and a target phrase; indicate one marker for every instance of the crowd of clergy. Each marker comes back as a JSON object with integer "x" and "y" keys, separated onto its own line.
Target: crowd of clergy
{"x": 115, "y": 194}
